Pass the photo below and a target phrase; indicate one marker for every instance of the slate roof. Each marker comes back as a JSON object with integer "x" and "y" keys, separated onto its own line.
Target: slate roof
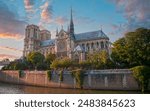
{"x": 79, "y": 37}
{"x": 90, "y": 35}
{"x": 50, "y": 42}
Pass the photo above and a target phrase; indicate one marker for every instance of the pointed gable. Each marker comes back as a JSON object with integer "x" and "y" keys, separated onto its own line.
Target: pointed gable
{"x": 62, "y": 33}
{"x": 78, "y": 48}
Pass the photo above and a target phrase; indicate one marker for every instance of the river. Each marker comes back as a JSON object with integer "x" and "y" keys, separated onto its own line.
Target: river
{"x": 20, "y": 89}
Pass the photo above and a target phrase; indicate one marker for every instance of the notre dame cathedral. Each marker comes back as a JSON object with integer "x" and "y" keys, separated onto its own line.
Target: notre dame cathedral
{"x": 66, "y": 43}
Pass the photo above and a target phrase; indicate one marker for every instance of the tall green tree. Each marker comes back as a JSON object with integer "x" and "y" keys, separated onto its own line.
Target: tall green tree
{"x": 133, "y": 49}
{"x": 49, "y": 59}
{"x": 36, "y": 59}
{"x": 100, "y": 60}
{"x": 142, "y": 75}
{"x": 61, "y": 63}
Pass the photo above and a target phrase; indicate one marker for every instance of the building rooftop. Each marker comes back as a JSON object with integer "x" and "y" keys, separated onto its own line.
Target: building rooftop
{"x": 79, "y": 37}
{"x": 50, "y": 42}
{"x": 90, "y": 35}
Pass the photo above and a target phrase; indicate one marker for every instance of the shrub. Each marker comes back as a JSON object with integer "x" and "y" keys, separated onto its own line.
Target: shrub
{"x": 49, "y": 74}
{"x": 142, "y": 75}
{"x": 79, "y": 76}
{"x": 21, "y": 74}
{"x": 61, "y": 75}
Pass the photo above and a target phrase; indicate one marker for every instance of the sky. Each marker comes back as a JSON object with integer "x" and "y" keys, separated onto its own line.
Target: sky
{"x": 114, "y": 17}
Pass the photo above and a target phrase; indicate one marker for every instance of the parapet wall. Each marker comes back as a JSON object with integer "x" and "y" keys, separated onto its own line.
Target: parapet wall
{"x": 119, "y": 79}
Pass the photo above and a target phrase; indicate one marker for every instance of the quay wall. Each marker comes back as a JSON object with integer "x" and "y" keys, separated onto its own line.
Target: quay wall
{"x": 112, "y": 79}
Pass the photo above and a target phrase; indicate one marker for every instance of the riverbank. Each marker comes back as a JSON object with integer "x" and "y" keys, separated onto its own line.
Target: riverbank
{"x": 113, "y": 79}
{"x": 6, "y": 88}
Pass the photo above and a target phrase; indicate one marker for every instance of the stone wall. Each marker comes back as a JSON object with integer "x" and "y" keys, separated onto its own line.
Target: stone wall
{"x": 120, "y": 79}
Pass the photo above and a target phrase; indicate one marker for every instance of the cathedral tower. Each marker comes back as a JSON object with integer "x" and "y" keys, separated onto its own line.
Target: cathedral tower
{"x": 31, "y": 41}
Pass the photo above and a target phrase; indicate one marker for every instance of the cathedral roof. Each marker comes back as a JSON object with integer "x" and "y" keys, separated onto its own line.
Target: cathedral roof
{"x": 50, "y": 42}
{"x": 90, "y": 35}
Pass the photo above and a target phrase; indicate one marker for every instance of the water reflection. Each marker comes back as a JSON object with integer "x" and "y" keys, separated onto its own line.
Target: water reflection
{"x": 19, "y": 89}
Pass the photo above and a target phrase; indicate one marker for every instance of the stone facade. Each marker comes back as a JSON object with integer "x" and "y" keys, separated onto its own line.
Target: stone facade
{"x": 66, "y": 43}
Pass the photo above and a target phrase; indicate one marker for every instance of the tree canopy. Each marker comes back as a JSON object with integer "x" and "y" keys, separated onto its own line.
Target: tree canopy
{"x": 142, "y": 75}
{"x": 49, "y": 59}
{"x": 36, "y": 58}
{"x": 133, "y": 49}
{"x": 61, "y": 63}
{"x": 100, "y": 60}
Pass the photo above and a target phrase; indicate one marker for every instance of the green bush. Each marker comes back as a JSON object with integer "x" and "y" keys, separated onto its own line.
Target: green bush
{"x": 61, "y": 75}
{"x": 49, "y": 74}
{"x": 79, "y": 76}
{"x": 142, "y": 75}
{"x": 21, "y": 74}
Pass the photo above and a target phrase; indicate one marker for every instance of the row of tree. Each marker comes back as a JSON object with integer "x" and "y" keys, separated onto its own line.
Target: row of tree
{"x": 33, "y": 61}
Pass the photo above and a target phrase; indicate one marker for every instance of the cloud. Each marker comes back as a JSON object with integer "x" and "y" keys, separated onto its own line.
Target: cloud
{"x": 11, "y": 36}
{"x": 10, "y": 49}
{"x": 10, "y": 25}
{"x": 29, "y": 5}
{"x": 46, "y": 13}
{"x": 83, "y": 20}
{"x": 7, "y": 56}
{"x": 136, "y": 12}
{"x": 61, "y": 20}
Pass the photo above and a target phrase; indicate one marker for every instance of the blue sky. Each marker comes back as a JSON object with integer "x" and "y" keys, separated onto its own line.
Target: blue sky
{"x": 115, "y": 17}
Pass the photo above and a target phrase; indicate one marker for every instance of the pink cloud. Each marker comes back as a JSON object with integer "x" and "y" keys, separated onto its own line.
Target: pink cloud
{"x": 135, "y": 11}
{"x": 11, "y": 36}
{"x": 61, "y": 20}
{"x": 46, "y": 13}
{"x": 7, "y": 56}
{"x": 29, "y": 5}
{"x": 10, "y": 49}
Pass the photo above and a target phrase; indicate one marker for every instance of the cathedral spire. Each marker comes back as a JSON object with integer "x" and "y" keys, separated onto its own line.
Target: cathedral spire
{"x": 57, "y": 32}
{"x": 68, "y": 30}
{"x": 71, "y": 25}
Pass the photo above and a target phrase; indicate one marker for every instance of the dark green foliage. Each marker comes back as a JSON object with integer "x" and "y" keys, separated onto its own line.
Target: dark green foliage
{"x": 79, "y": 76}
{"x": 16, "y": 65}
{"x": 36, "y": 59}
{"x": 49, "y": 74}
{"x": 61, "y": 63}
{"x": 85, "y": 64}
{"x": 61, "y": 75}
{"x": 142, "y": 75}
{"x": 133, "y": 49}
{"x": 21, "y": 73}
{"x": 49, "y": 59}
{"x": 100, "y": 60}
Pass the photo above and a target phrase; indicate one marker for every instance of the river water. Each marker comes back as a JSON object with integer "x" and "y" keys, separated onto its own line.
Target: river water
{"x": 20, "y": 89}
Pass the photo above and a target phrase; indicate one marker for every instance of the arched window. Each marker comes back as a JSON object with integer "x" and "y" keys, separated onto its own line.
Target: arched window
{"x": 92, "y": 46}
{"x": 106, "y": 44}
{"x": 102, "y": 45}
{"x": 97, "y": 44}
{"x": 87, "y": 47}
{"x": 83, "y": 46}
{"x": 77, "y": 58}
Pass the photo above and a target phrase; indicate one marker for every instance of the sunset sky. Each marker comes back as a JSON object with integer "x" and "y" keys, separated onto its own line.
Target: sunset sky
{"x": 115, "y": 17}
